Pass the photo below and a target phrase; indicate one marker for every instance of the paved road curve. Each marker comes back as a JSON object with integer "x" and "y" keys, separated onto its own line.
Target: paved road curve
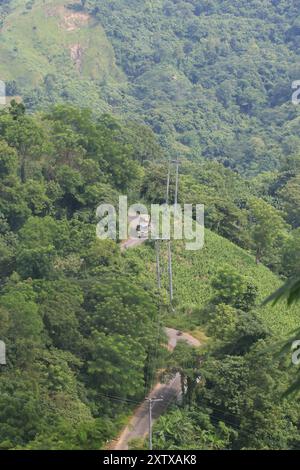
{"x": 139, "y": 424}
{"x": 131, "y": 243}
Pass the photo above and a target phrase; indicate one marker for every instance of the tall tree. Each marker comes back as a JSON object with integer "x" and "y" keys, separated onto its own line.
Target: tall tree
{"x": 267, "y": 227}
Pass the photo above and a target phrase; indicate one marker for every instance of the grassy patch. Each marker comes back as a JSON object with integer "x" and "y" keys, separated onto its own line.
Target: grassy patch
{"x": 193, "y": 272}
{"x": 49, "y": 38}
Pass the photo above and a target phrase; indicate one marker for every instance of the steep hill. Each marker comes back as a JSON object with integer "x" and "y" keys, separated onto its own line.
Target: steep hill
{"x": 212, "y": 78}
{"x": 194, "y": 271}
{"x": 62, "y": 49}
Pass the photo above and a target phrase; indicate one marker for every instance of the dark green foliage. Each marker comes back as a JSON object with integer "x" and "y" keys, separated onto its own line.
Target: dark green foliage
{"x": 234, "y": 289}
{"x": 211, "y": 78}
{"x": 81, "y": 321}
{"x": 233, "y": 389}
{"x": 77, "y": 325}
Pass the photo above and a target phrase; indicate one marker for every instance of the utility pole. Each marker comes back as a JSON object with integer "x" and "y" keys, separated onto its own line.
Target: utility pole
{"x": 170, "y": 269}
{"x": 168, "y": 183}
{"x": 177, "y": 163}
{"x": 169, "y": 241}
{"x": 151, "y": 401}
{"x": 2, "y": 353}
{"x": 157, "y": 249}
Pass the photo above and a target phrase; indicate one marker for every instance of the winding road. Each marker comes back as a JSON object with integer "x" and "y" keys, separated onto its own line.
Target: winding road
{"x": 138, "y": 425}
{"x": 169, "y": 392}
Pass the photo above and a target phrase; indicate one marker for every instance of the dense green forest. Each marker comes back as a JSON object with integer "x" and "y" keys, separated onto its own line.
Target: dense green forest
{"x": 101, "y": 95}
{"x": 78, "y": 324}
{"x": 212, "y": 78}
{"x": 79, "y": 318}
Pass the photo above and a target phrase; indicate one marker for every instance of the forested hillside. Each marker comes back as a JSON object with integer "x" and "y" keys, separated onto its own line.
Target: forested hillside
{"x": 82, "y": 322}
{"x": 78, "y": 324}
{"x": 234, "y": 385}
{"x": 64, "y": 51}
{"x": 212, "y": 78}
{"x": 101, "y": 96}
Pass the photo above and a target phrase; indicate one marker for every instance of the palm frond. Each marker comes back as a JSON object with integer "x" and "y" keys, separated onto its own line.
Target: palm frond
{"x": 290, "y": 292}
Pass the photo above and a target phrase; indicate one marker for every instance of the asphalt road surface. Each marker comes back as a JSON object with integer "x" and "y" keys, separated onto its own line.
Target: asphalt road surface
{"x": 139, "y": 424}
{"x": 132, "y": 242}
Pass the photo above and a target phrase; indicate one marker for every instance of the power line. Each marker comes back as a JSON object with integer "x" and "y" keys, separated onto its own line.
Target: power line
{"x": 177, "y": 163}
{"x": 168, "y": 182}
{"x": 150, "y": 400}
{"x": 170, "y": 266}
{"x": 170, "y": 271}
{"x": 157, "y": 250}
{"x": 118, "y": 399}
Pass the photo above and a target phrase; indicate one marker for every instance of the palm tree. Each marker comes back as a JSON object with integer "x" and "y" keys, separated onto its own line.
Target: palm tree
{"x": 289, "y": 291}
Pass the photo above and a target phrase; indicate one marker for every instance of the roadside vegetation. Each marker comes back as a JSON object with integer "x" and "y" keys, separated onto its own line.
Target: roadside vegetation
{"x": 102, "y": 94}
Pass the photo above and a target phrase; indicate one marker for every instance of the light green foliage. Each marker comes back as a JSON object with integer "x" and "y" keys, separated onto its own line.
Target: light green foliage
{"x": 290, "y": 196}
{"x": 80, "y": 319}
{"x": 26, "y": 136}
{"x": 212, "y": 80}
{"x": 194, "y": 271}
{"x": 223, "y": 321}
{"x": 24, "y": 318}
{"x": 62, "y": 49}
{"x": 291, "y": 254}
{"x": 268, "y": 227}
{"x": 8, "y": 160}
{"x": 75, "y": 328}
{"x": 189, "y": 429}
{"x": 234, "y": 289}
{"x": 117, "y": 365}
